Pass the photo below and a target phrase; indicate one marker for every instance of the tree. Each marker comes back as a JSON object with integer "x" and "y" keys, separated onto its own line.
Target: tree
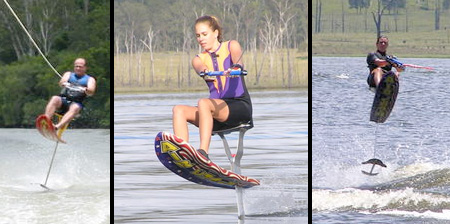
{"x": 61, "y": 30}
{"x": 446, "y": 4}
{"x": 437, "y": 15}
{"x": 359, "y": 4}
{"x": 318, "y": 15}
{"x": 18, "y": 39}
{"x": 257, "y": 24}
{"x": 380, "y": 10}
{"x": 149, "y": 43}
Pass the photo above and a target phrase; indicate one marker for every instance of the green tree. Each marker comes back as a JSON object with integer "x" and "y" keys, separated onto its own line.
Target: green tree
{"x": 64, "y": 31}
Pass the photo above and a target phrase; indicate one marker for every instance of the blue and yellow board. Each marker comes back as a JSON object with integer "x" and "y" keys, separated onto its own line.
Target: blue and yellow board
{"x": 385, "y": 97}
{"x": 182, "y": 159}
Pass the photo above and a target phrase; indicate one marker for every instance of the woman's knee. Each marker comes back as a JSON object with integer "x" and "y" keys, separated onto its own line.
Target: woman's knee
{"x": 203, "y": 102}
{"x": 177, "y": 109}
{"x": 187, "y": 113}
{"x": 180, "y": 111}
{"x": 206, "y": 103}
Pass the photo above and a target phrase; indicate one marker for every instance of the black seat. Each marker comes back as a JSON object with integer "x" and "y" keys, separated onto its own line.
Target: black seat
{"x": 246, "y": 126}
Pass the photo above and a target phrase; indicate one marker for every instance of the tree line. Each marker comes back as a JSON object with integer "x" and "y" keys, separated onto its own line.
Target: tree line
{"x": 149, "y": 26}
{"x": 376, "y": 10}
{"x": 64, "y": 30}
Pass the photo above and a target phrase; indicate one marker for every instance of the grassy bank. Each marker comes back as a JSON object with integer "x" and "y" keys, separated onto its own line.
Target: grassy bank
{"x": 434, "y": 44}
{"x": 346, "y": 31}
{"x": 173, "y": 71}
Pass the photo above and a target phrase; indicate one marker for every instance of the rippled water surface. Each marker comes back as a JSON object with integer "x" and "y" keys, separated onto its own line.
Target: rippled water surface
{"x": 79, "y": 179}
{"x": 276, "y": 152}
{"x": 414, "y": 143}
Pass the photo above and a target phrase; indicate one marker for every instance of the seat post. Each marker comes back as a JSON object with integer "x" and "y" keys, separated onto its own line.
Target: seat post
{"x": 240, "y": 151}
{"x": 236, "y": 162}
{"x": 227, "y": 148}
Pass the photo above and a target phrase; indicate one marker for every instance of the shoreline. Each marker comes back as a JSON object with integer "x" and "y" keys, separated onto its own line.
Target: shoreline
{"x": 135, "y": 90}
{"x": 361, "y": 55}
{"x": 402, "y": 44}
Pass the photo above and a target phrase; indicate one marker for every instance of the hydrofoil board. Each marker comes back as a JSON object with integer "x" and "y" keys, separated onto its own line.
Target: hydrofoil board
{"x": 385, "y": 97}
{"x": 46, "y": 128}
{"x": 182, "y": 159}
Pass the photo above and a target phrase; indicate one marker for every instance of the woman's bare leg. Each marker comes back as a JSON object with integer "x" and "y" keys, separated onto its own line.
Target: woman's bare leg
{"x": 209, "y": 109}
{"x": 181, "y": 116}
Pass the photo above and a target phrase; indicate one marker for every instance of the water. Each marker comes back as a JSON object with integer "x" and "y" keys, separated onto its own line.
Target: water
{"x": 276, "y": 152}
{"x": 79, "y": 179}
{"x": 413, "y": 143}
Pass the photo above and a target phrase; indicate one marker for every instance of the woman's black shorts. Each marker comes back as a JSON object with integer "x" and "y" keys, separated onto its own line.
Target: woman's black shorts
{"x": 240, "y": 112}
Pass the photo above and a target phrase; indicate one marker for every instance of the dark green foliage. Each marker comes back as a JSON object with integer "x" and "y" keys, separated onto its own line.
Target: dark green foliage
{"x": 27, "y": 82}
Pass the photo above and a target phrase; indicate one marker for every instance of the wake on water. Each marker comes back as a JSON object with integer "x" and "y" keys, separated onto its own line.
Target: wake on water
{"x": 411, "y": 185}
{"x": 279, "y": 195}
{"x": 79, "y": 179}
{"x": 419, "y": 190}
{"x": 415, "y": 186}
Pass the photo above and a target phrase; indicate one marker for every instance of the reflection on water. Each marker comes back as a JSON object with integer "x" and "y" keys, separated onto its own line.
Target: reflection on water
{"x": 276, "y": 153}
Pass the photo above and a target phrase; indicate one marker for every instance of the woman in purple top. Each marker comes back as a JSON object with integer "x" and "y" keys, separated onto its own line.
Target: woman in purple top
{"x": 229, "y": 103}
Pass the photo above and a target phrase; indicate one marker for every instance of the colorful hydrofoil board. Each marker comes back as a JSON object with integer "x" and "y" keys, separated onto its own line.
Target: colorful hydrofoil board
{"x": 385, "y": 97}
{"x": 46, "y": 128}
{"x": 182, "y": 159}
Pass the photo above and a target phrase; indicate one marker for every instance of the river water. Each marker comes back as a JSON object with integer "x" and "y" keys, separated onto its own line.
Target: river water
{"x": 276, "y": 153}
{"x": 414, "y": 143}
{"x": 79, "y": 178}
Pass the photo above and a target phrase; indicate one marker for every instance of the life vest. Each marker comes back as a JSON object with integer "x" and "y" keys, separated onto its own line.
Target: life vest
{"x": 73, "y": 94}
{"x": 222, "y": 87}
